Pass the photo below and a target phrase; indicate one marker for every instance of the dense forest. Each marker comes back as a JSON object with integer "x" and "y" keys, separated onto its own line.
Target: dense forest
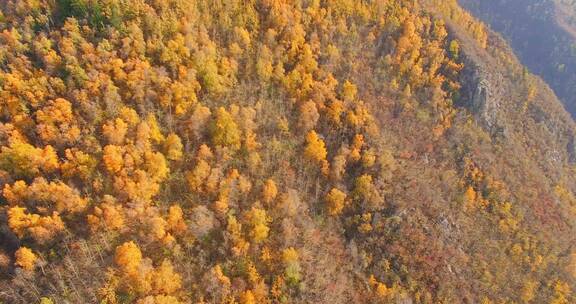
{"x": 542, "y": 33}
{"x": 277, "y": 151}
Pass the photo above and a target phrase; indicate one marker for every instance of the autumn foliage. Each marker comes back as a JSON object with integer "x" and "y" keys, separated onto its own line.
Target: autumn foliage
{"x": 183, "y": 151}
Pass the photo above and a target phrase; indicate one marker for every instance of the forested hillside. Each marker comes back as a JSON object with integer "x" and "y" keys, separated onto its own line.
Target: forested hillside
{"x": 277, "y": 151}
{"x": 542, "y": 33}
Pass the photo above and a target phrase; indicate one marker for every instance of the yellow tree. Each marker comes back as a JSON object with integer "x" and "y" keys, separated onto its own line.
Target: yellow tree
{"x": 224, "y": 131}
{"x": 56, "y": 123}
{"x": 258, "y": 221}
{"x": 470, "y": 197}
{"x": 165, "y": 280}
{"x": 290, "y": 258}
{"x": 173, "y": 147}
{"x": 25, "y": 258}
{"x": 264, "y": 67}
{"x": 269, "y": 191}
{"x": 25, "y": 160}
{"x": 45, "y": 195}
{"x": 41, "y": 228}
{"x": 357, "y": 143}
{"x": 138, "y": 276}
{"x": 315, "y": 151}
{"x": 115, "y": 131}
{"x": 78, "y": 163}
{"x": 108, "y": 215}
{"x": 198, "y": 175}
{"x": 349, "y": 91}
{"x": 247, "y": 297}
{"x": 128, "y": 257}
{"x": 366, "y": 191}
{"x": 335, "y": 201}
{"x": 175, "y": 221}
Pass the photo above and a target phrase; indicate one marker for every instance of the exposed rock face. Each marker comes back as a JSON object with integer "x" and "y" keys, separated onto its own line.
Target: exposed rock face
{"x": 482, "y": 93}
{"x": 509, "y": 102}
{"x": 572, "y": 149}
{"x": 540, "y": 36}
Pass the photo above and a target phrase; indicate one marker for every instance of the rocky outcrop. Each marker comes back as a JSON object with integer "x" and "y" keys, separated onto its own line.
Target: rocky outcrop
{"x": 482, "y": 92}
{"x": 572, "y": 149}
{"x": 541, "y": 38}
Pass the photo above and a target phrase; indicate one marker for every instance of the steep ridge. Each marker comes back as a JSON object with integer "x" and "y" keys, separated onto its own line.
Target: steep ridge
{"x": 278, "y": 152}
{"x": 542, "y": 33}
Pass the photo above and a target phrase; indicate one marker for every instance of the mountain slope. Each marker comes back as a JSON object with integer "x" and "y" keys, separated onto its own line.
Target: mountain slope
{"x": 543, "y": 34}
{"x": 277, "y": 151}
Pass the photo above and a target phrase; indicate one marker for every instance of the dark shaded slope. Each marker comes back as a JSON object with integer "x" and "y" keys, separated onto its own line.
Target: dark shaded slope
{"x": 538, "y": 35}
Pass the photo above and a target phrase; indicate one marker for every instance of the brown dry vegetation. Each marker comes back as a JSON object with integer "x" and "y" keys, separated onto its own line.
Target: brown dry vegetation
{"x": 337, "y": 151}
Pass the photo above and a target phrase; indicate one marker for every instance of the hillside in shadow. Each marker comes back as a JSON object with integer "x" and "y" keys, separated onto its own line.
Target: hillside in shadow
{"x": 543, "y": 35}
